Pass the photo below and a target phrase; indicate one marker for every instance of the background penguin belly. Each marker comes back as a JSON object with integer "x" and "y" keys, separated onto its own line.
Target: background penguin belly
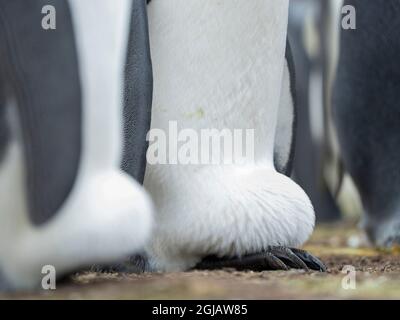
{"x": 220, "y": 65}
{"x": 367, "y": 114}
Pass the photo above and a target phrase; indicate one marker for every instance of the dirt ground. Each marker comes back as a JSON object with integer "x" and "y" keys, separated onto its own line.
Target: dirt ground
{"x": 377, "y": 276}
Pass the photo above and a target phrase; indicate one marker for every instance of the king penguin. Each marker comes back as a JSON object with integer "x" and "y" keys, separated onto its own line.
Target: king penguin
{"x": 72, "y": 136}
{"x": 366, "y": 112}
{"x": 225, "y": 62}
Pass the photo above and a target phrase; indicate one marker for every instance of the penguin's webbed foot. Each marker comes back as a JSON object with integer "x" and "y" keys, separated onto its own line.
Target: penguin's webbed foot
{"x": 273, "y": 258}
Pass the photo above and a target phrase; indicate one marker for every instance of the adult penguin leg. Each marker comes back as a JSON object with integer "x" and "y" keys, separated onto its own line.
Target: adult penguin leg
{"x": 276, "y": 257}
{"x": 65, "y": 201}
{"x": 219, "y": 65}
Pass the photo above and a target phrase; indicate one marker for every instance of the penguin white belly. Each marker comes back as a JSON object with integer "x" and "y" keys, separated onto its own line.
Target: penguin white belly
{"x": 220, "y": 64}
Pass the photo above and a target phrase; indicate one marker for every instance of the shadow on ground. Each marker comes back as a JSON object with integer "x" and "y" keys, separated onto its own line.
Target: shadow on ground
{"x": 378, "y": 276}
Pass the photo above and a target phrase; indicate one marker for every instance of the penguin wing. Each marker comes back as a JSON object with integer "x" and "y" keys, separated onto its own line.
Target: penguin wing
{"x": 138, "y": 94}
{"x": 286, "y": 126}
{"x": 43, "y": 80}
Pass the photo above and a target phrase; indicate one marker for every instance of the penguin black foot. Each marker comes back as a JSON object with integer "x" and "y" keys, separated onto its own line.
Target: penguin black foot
{"x": 134, "y": 264}
{"x": 274, "y": 258}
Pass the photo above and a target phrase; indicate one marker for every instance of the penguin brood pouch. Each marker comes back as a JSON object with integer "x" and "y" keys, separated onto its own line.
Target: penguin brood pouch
{"x": 75, "y": 109}
{"x": 221, "y": 65}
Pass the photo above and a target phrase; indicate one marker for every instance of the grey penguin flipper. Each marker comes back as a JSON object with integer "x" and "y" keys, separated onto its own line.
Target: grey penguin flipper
{"x": 285, "y": 139}
{"x": 39, "y": 69}
{"x": 138, "y": 94}
{"x": 4, "y": 129}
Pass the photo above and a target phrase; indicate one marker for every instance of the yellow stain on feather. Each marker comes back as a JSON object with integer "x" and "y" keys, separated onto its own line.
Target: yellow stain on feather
{"x": 198, "y": 114}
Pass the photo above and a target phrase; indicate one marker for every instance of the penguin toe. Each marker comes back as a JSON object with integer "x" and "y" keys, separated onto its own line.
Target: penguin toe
{"x": 311, "y": 261}
{"x": 274, "y": 258}
{"x": 134, "y": 264}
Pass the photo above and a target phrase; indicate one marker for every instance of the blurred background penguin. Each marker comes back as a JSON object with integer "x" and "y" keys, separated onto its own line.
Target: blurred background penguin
{"x": 346, "y": 55}
{"x": 314, "y": 32}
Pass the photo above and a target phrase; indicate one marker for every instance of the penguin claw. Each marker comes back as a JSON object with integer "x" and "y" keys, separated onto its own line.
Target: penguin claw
{"x": 274, "y": 258}
{"x": 134, "y": 264}
{"x": 312, "y": 262}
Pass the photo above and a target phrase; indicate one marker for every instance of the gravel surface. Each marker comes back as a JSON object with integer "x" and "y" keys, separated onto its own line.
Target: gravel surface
{"x": 377, "y": 276}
